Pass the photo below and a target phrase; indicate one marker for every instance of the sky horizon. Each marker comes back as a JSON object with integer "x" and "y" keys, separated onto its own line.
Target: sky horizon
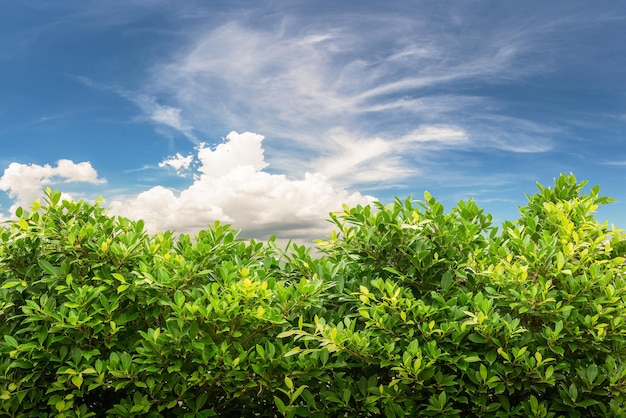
{"x": 268, "y": 115}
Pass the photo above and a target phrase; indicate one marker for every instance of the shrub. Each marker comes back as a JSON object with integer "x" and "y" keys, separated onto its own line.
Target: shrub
{"x": 97, "y": 317}
{"x": 408, "y": 311}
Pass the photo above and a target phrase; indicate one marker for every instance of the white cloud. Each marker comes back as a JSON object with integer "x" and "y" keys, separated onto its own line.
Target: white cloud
{"x": 521, "y": 136}
{"x": 380, "y": 82}
{"x": 618, "y": 163}
{"x": 168, "y": 116}
{"x": 356, "y": 160}
{"x": 161, "y": 115}
{"x": 239, "y": 150}
{"x": 374, "y": 160}
{"x": 24, "y": 182}
{"x": 178, "y": 162}
{"x": 445, "y": 135}
{"x": 76, "y": 172}
{"x": 232, "y": 186}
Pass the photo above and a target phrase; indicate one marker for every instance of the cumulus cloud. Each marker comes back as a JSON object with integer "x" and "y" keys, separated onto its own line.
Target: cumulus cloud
{"x": 240, "y": 150}
{"x": 178, "y": 162}
{"x": 24, "y": 182}
{"x": 72, "y": 172}
{"x": 231, "y": 186}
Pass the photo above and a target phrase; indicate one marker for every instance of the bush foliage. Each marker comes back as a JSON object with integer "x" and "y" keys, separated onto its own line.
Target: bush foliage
{"x": 408, "y": 311}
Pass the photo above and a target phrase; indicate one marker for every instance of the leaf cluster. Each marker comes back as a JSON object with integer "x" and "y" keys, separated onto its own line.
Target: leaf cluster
{"x": 408, "y": 311}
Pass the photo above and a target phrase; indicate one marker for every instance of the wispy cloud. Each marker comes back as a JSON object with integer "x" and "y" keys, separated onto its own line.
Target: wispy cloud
{"x": 45, "y": 119}
{"x": 354, "y": 160}
{"x": 159, "y": 114}
{"x": 152, "y": 110}
{"x": 442, "y": 134}
{"x": 617, "y": 163}
{"x": 355, "y": 90}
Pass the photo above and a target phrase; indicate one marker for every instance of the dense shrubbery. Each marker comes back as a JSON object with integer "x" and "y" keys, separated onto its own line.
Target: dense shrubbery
{"x": 409, "y": 311}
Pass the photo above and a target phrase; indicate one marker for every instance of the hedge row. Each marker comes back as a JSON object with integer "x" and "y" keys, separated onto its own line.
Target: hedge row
{"x": 408, "y": 311}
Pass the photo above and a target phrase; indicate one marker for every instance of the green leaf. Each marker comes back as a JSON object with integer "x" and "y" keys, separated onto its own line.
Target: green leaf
{"x": 105, "y": 302}
{"x": 48, "y": 268}
{"x": 12, "y": 342}
{"x": 298, "y": 392}
{"x": 390, "y": 270}
{"x": 179, "y": 298}
{"x": 21, "y": 364}
{"x": 11, "y": 283}
{"x": 442, "y": 399}
{"x": 42, "y": 334}
{"x": 280, "y": 405}
{"x": 587, "y": 402}
{"x": 558, "y": 327}
{"x": 446, "y": 281}
{"x": 573, "y": 392}
{"x": 592, "y": 373}
{"x": 201, "y": 400}
{"x": 483, "y": 372}
{"x": 54, "y": 196}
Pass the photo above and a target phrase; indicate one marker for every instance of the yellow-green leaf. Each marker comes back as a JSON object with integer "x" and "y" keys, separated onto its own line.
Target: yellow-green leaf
{"x": 289, "y": 383}
{"x": 293, "y": 351}
{"x": 77, "y": 381}
{"x": 10, "y": 283}
{"x": 333, "y": 333}
{"x": 60, "y": 406}
{"x": 23, "y": 224}
{"x": 119, "y": 277}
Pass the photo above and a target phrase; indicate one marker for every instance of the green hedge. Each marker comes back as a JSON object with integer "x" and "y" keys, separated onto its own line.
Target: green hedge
{"x": 408, "y": 311}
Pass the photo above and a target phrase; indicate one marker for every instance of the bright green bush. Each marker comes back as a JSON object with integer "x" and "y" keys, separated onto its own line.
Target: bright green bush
{"x": 97, "y": 316}
{"x": 408, "y": 311}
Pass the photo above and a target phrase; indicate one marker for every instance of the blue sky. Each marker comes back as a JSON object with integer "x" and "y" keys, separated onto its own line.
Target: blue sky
{"x": 270, "y": 114}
